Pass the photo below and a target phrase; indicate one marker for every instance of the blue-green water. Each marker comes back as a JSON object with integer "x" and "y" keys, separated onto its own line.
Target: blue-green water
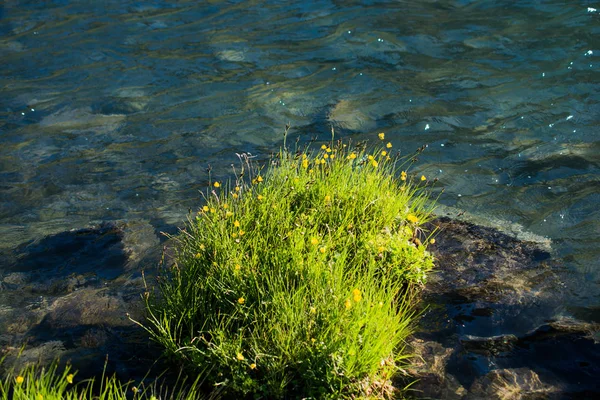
{"x": 112, "y": 110}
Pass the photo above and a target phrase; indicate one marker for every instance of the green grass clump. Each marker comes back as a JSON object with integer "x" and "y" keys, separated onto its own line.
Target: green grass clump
{"x": 38, "y": 382}
{"x": 298, "y": 280}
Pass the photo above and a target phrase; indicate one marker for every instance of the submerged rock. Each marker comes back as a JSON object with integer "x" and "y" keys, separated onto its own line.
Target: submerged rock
{"x": 348, "y": 115}
{"x": 493, "y": 327}
{"x": 71, "y": 295}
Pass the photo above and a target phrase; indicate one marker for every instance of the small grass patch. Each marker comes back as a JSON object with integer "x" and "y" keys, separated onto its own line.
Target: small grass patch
{"x": 38, "y": 382}
{"x": 298, "y": 280}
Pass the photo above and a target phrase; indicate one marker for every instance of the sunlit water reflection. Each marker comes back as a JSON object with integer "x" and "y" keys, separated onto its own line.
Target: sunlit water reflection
{"x": 114, "y": 110}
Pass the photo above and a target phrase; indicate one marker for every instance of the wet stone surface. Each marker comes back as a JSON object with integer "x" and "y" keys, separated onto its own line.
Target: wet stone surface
{"x": 69, "y": 296}
{"x": 494, "y": 326}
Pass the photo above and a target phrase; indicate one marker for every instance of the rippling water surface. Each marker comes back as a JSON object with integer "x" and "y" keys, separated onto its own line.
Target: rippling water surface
{"x": 112, "y": 110}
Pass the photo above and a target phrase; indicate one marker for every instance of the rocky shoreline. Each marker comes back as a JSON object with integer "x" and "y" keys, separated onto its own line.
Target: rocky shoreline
{"x": 491, "y": 326}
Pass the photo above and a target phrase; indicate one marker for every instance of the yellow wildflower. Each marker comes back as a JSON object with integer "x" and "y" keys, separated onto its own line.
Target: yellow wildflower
{"x": 381, "y": 249}
{"x": 381, "y": 136}
{"x": 412, "y": 218}
{"x": 327, "y": 199}
{"x": 205, "y": 208}
{"x": 384, "y": 153}
{"x": 241, "y": 300}
{"x": 432, "y": 241}
{"x": 236, "y": 223}
{"x": 202, "y": 246}
{"x": 380, "y": 304}
{"x": 238, "y": 267}
{"x": 228, "y": 214}
{"x": 313, "y": 310}
{"x": 323, "y": 147}
{"x": 423, "y": 178}
{"x": 225, "y": 206}
{"x": 237, "y": 188}
{"x": 304, "y": 156}
{"x": 19, "y": 379}
{"x": 352, "y": 156}
{"x": 217, "y": 184}
{"x": 242, "y": 233}
{"x": 259, "y": 197}
{"x": 310, "y": 171}
{"x": 212, "y": 210}
{"x": 332, "y": 156}
{"x": 370, "y": 157}
{"x": 348, "y": 304}
{"x": 134, "y": 389}
{"x": 323, "y": 161}
{"x": 325, "y": 156}
{"x": 314, "y": 241}
{"x": 304, "y": 164}
{"x": 235, "y": 195}
{"x": 198, "y": 255}
{"x": 356, "y": 295}
{"x": 234, "y": 235}
{"x": 70, "y": 378}
{"x": 328, "y": 150}
{"x": 240, "y": 357}
{"x": 322, "y": 250}
{"x": 40, "y": 397}
{"x": 403, "y": 175}
{"x": 374, "y": 163}
{"x": 389, "y": 145}
{"x": 252, "y": 366}
{"x": 259, "y": 178}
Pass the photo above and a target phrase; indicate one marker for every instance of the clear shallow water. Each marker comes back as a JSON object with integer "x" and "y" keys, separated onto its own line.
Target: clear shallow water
{"x": 113, "y": 110}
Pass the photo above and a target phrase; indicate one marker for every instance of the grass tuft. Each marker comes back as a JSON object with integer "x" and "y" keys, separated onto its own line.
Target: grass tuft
{"x": 39, "y": 382}
{"x": 298, "y": 280}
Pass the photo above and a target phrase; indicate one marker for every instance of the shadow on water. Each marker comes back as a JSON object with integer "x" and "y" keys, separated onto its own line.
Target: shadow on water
{"x": 92, "y": 251}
